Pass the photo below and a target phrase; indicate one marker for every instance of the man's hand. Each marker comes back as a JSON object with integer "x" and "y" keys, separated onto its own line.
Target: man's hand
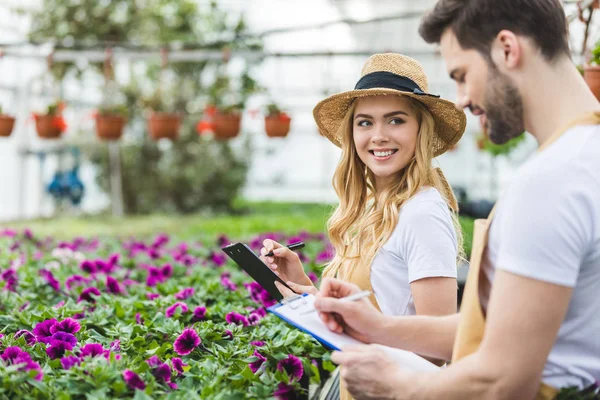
{"x": 369, "y": 373}
{"x": 359, "y": 319}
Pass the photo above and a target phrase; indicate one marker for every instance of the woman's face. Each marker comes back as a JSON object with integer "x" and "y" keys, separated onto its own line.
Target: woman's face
{"x": 385, "y": 132}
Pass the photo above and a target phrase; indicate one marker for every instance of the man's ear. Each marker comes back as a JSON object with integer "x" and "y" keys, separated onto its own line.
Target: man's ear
{"x": 506, "y": 50}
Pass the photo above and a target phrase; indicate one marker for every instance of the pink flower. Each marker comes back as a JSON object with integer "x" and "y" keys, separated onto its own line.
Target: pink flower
{"x": 68, "y": 325}
{"x": 228, "y": 335}
{"x": 186, "y": 342}
{"x": 50, "y": 279}
{"x": 88, "y": 266}
{"x": 76, "y": 280}
{"x": 42, "y": 330}
{"x": 69, "y": 362}
{"x": 218, "y": 259}
{"x": 86, "y": 295}
{"x": 285, "y": 392}
{"x": 258, "y": 343}
{"x": 292, "y": 366}
{"x": 255, "y": 365}
{"x": 113, "y": 286}
{"x": 138, "y": 318}
{"x": 171, "y": 310}
{"x": 133, "y": 380}
{"x": 199, "y": 313}
{"x": 152, "y": 296}
{"x": 92, "y": 350}
{"x": 236, "y": 318}
{"x": 185, "y": 294}
{"x": 28, "y": 336}
{"x": 178, "y": 365}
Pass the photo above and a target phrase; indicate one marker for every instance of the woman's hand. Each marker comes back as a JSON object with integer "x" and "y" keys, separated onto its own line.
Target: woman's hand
{"x": 297, "y": 289}
{"x": 285, "y": 263}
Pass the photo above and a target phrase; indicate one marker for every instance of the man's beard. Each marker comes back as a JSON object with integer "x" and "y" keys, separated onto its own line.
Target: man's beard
{"x": 503, "y": 107}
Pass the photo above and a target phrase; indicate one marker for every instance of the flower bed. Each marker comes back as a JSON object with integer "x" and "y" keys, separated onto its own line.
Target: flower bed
{"x": 158, "y": 319}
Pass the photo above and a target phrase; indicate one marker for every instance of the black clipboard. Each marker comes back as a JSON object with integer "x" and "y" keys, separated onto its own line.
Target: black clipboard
{"x": 256, "y": 268}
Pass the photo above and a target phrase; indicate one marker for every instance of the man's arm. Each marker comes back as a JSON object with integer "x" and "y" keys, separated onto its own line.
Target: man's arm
{"x": 524, "y": 317}
{"x": 430, "y": 336}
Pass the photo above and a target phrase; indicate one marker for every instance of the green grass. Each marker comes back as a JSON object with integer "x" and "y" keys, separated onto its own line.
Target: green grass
{"x": 249, "y": 220}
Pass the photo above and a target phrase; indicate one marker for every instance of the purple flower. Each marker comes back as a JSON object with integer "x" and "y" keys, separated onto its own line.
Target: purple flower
{"x": 285, "y": 392}
{"x": 326, "y": 255}
{"x": 228, "y": 335}
{"x": 255, "y": 365}
{"x": 236, "y": 318}
{"x": 313, "y": 277}
{"x": 186, "y": 342}
{"x": 153, "y": 361}
{"x": 130, "y": 282}
{"x": 68, "y": 325}
{"x": 185, "y": 294}
{"x": 80, "y": 315}
{"x": 114, "y": 259}
{"x": 92, "y": 350}
{"x": 50, "y": 279}
{"x": 133, "y": 380}
{"x": 88, "y": 266}
{"x": 11, "y": 279}
{"x": 69, "y": 361}
{"x": 228, "y": 284}
{"x": 171, "y": 310}
{"x": 59, "y": 343}
{"x": 292, "y": 365}
{"x": 24, "y": 306}
{"x": 86, "y": 295}
{"x": 29, "y": 337}
{"x": 162, "y": 372}
{"x": 76, "y": 280}
{"x": 218, "y": 259}
{"x": 28, "y": 234}
{"x": 223, "y": 241}
{"x": 167, "y": 271}
{"x": 161, "y": 240}
{"x": 266, "y": 299}
{"x": 113, "y": 286}
{"x": 14, "y": 355}
{"x": 178, "y": 365}
{"x": 152, "y": 296}
{"x": 138, "y": 318}
{"x": 253, "y": 319}
{"x": 103, "y": 266}
{"x": 154, "y": 276}
{"x": 199, "y": 313}
{"x": 153, "y": 253}
{"x": 258, "y": 343}
{"x": 115, "y": 345}
{"x": 42, "y": 330}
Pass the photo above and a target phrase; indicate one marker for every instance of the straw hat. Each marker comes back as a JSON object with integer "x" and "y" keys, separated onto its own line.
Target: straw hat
{"x": 393, "y": 74}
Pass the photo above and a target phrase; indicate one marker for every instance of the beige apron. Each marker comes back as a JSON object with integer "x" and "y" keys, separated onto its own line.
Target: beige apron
{"x": 472, "y": 321}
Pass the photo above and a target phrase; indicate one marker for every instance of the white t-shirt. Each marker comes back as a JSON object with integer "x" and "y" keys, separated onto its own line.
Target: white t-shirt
{"x": 423, "y": 245}
{"x": 547, "y": 227}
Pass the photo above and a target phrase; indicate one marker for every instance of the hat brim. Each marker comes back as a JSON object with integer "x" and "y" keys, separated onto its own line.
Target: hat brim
{"x": 450, "y": 122}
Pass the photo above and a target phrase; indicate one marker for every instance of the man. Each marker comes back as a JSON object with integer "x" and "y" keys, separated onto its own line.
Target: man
{"x": 530, "y": 321}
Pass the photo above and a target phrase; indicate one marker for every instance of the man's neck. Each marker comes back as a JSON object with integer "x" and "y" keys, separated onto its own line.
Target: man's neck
{"x": 554, "y": 96}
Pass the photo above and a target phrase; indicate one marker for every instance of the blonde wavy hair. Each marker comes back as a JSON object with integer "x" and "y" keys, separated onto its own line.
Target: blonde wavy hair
{"x": 365, "y": 219}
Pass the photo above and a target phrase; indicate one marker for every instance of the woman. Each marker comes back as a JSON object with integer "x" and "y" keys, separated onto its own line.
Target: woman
{"x": 395, "y": 231}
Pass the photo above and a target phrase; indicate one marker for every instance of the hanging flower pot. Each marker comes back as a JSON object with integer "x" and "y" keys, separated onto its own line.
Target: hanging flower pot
{"x": 110, "y": 126}
{"x": 52, "y": 124}
{"x": 226, "y": 125}
{"x": 277, "y": 125}
{"x": 164, "y": 125}
{"x": 49, "y": 126}
{"x": 591, "y": 74}
{"x": 7, "y": 123}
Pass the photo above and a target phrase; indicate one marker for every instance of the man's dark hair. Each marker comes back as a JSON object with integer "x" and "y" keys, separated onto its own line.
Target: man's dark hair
{"x": 476, "y": 23}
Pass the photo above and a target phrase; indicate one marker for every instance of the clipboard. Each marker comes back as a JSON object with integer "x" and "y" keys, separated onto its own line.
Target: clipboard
{"x": 292, "y": 310}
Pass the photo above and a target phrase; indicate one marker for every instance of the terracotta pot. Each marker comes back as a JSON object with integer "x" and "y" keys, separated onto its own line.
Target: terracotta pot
{"x": 277, "y": 125}
{"x": 226, "y": 126}
{"x": 591, "y": 74}
{"x": 110, "y": 127}
{"x": 48, "y": 126}
{"x": 164, "y": 125}
{"x": 6, "y": 125}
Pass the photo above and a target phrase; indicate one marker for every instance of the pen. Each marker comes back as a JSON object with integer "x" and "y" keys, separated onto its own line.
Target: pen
{"x": 293, "y": 246}
{"x": 352, "y": 297}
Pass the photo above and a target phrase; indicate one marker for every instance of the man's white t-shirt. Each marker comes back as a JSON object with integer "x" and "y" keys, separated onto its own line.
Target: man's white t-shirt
{"x": 423, "y": 245}
{"x": 547, "y": 227}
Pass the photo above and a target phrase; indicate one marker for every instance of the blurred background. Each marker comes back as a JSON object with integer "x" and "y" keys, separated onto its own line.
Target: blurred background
{"x": 134, "y": 116}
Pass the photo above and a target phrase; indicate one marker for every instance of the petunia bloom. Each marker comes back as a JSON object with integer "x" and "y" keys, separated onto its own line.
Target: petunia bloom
{"x": 86, "y": 295}
{"x": 92, "y": 350}
{"x": 185, "y": 294}
{"x": 42, "y": 330}
{"x": 258, "y": 343}
{"x": 186, "y": 342}
{"x": 69, "y": 362}
{"x": 285, "y": 392}
{"x": 50, "y": 279}
{"x": 172, "y": 309}
{"x": 133, "y": 380}
{"x": 113, "y": 286}
{"x": 178, "y": 364}
{"x": 59, "y": 344}
{"x": 199, "y": 313}
{"x": 255, "y": 365}
{"x": 68, "y": 325}
{"x": 29, "y": 337}
{"x": 292, "y": 365}
{"x": 236, "y": 318}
